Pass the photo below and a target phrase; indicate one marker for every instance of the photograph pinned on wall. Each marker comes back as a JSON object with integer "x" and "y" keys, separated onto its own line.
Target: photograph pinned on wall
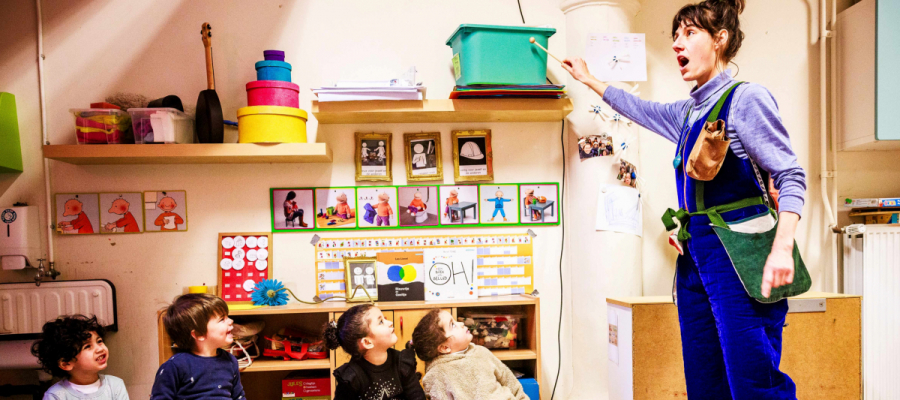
{"x": 423, "y": 156}
{"x": 499, "y": 204}
{"x": 165, "y": 211}
{"x": 627, "y": 174}
{"x": 360, "y": 272}
{"x": 292, "y": 209}
{"x": 77, "y": 213}
{"x": 473, "y": 160}
{"x": 459, "y": 204}
{"x": 373, "y": 156}
{"x": 376, "y": 206}
{"x": 419, "y": 206}
{"x": 595, "y": 146}
{"x": 117, "y": 212}
{"x": 539, "y": 203}
{"x": 336, "y": 208}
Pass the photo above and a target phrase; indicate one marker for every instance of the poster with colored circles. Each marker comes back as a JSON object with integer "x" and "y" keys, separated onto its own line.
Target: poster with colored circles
{"x": 400, "y": 276}
{"x": 245, "y": 259}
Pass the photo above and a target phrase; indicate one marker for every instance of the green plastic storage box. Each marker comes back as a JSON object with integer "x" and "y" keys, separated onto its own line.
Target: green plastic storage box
{"x": 499, "y": 55}
{"x": 10, "y": 148}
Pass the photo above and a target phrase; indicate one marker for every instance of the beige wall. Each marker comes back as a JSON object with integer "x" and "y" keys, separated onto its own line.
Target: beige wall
{"x": 95, "y": 48}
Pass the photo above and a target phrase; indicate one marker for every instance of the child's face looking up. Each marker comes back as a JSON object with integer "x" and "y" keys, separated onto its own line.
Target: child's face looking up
{"x": 381, "y": 331}
{"x": 218, "y": 332}
{"x": 458, "y": 336}
{"x": 91, "y": 359}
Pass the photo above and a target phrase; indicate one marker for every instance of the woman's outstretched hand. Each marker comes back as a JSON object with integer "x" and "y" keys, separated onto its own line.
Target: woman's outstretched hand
{"x": 579, "y": 70}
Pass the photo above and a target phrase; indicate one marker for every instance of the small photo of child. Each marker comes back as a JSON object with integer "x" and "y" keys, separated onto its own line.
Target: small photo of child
{"x": 459, "y": 204}
{"x": 595, "y": 146}
{"x": 499, "y": 204}
{"x": 627, "y": 174}
{"x": 419, "y": 206}
{"x": 458, "y": 369}
{"x": 376, "y": 206}
{"x": 199, "y": 326}
{"x": 292, "y": 209}
{"x": 73, "y": 348}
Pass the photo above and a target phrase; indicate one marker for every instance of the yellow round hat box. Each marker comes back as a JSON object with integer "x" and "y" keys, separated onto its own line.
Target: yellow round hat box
{"x": 271, "y": 124}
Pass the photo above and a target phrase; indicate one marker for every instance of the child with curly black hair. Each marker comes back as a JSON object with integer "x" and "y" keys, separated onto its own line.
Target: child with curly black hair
{"x": 376, "y": 370}
{"x": 198, "y": 323}
{"x": 457, "y": 369}
{"x": 72, "y": 348}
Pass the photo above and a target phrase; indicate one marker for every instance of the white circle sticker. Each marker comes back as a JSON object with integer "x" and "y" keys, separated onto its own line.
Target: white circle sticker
{"x": 238, "y": 254}
{"x": 249, "y": 285}
{"x": 251, "y": 255}
{"x": 225, "y": 263}
{"x": 262, "y": 254}
{"x": 251, "y": 241}
{"x": 227, "y": 243}
{"x": 263, "y": 242}
{"x": 237, "y": 264}
{"x": 262, "y": 265}
{"x": 239, "y": 242}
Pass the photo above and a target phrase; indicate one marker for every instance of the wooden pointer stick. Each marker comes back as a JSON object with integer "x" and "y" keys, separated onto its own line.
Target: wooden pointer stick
{"x": 542, "y": 48}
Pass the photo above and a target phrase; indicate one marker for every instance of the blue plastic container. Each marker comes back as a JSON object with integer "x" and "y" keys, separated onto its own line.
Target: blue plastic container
{"x": 499, "y": 55}
{"x": 271, "y": 70}
{"x": 531, "y": 388}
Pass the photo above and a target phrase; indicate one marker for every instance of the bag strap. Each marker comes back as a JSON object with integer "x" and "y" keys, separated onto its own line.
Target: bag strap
{"x": 714, "y": 115}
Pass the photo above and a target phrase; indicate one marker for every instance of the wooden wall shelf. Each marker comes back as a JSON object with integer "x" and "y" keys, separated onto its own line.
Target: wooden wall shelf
{"x": 196, "y": 153}
{"x": 430, "y": 111}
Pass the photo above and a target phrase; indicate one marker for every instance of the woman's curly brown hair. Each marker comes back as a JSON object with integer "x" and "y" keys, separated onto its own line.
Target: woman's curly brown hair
{"x": 62, "y": 339}
{"x": 428, "y": 335}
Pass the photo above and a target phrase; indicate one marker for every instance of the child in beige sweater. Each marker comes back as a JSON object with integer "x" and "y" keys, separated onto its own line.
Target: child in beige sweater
{"x": 457, "y": 369}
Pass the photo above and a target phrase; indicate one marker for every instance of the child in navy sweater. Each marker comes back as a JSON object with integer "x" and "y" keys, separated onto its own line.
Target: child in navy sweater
{"x": 199, "y": 326}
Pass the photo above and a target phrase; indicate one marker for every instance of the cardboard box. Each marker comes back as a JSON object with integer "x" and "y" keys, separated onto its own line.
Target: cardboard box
{"x": 300, "y": 385}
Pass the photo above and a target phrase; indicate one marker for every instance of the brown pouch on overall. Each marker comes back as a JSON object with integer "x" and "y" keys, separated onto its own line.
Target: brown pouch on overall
{"x": 709, "y": 152}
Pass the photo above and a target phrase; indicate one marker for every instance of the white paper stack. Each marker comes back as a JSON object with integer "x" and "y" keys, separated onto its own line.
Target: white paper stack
{"x": 403, "y": 88}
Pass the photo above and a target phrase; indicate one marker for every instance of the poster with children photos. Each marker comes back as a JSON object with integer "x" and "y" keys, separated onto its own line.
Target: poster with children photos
{"x": 121, "y": 212}
{"x": 293, "y": 209}
{"x": 540, "y": 203}
{"x": 165, "y": 211}
{"x": 418, "y": 206}
{"x": 459, "y": 204}
{"x": 336, "y": 208}
{"x": 376, "y": 207}
{"x": 499, "y": 204}
{"x": 77, "y": 213}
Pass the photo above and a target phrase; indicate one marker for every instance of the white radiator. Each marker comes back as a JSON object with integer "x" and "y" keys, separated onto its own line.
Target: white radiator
{"x": 25, "y": 307}
{"x": 872, "y": 270}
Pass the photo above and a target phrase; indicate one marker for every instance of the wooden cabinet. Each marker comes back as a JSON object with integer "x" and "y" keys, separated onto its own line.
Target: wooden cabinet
{"x": 263, "y": 378}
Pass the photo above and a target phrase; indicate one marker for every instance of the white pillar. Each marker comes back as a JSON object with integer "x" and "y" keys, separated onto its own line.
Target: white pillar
{"x": 601, "y": 264}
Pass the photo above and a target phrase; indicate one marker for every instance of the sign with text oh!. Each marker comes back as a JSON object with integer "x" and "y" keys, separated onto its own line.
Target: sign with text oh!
{"x": 450, "y": 273}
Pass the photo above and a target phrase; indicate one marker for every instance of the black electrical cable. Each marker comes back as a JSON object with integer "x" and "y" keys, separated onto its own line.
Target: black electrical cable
{"x": 519, "y": 2}
{"x": 562, "y": 242}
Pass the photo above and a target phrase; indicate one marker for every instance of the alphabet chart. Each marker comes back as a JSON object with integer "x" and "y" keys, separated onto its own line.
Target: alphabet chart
{"x": 504, "y": 261}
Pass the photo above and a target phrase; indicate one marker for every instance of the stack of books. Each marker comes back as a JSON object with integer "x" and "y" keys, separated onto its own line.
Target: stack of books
{"x": 508, "y": 91}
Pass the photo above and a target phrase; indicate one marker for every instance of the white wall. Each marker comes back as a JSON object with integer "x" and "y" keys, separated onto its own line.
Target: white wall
{"x": 96, "y": 48}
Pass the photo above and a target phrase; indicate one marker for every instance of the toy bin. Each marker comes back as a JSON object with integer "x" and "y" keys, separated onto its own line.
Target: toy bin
{"x": 161, "y": 125}
{"x": 102, "y": 126}
{"x": 499, "y": 55}
{"x": 272, "y": 70}
{"x": 494, "y": 331}
{"x": 271, "y": 124}
{"x": 273, "y": 93}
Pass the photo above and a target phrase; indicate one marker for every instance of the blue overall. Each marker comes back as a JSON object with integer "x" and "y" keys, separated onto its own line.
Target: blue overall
{"x": 730, "y": 342}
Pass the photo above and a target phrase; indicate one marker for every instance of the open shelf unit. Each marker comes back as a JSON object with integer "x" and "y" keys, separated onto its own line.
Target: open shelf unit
{"x": 446, "y": 110}
{"x": 194, "y": 153}
{"x": 262, "y": 379}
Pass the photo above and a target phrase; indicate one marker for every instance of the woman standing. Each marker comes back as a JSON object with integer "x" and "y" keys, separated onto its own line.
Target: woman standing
{"x": 731, "y": 343}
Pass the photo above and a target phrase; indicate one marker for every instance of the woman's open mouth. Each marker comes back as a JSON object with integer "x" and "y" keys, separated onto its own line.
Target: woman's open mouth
{"x": 683, "y": 61}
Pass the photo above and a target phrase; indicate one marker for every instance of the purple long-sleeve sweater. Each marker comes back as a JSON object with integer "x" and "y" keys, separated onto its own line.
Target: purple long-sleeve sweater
{"x": 754, "y": 127}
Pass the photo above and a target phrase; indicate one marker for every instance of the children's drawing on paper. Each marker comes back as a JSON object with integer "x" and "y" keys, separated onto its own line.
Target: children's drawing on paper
{"x": 619, "y": 210}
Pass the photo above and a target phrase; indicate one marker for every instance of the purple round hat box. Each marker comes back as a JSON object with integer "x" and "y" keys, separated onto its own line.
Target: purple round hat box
{"x": 273, "y": 55}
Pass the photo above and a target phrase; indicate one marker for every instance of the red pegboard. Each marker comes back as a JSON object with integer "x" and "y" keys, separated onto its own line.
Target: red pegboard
{"x": 245, "y": 259}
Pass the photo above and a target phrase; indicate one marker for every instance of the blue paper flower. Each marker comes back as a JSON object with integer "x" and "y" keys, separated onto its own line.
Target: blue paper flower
{"x": 269, "y": 292}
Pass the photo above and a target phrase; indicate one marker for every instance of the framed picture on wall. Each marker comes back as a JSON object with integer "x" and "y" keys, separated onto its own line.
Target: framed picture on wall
{"x": 373, "y": 157}
{"x": 423, "y": 156}
{"x": 360, "y": 272}
{"x": 472, "y": 157}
